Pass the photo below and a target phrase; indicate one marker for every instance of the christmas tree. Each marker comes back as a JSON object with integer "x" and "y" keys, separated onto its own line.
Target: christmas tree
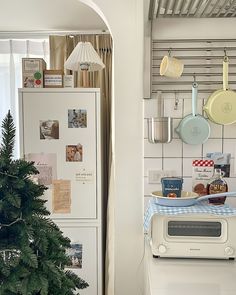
{"x": 32, "y": 248}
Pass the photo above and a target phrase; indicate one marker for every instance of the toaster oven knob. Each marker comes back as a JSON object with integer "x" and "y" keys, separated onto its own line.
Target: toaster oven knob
{"x": 229, "y": 250}
{"x": 162, "y": 249}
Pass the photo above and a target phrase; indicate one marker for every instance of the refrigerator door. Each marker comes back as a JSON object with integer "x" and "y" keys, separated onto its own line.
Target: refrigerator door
{"x": 60, "y": 132}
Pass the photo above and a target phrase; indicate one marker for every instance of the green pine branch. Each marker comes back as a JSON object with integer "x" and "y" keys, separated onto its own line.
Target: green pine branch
{"x": 8, "y": 135}
{"x": 79, "y": 283}
{"x": 29, "y": 258}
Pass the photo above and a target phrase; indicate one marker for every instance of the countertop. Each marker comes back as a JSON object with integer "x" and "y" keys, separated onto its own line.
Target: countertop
{"x": 168, "y": 276}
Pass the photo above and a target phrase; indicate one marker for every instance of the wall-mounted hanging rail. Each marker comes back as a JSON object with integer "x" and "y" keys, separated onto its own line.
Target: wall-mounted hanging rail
{"x": 197, "y": 57}
{"x": 182, "y": 41}
{"x": 179, "y": 83}
{"x": 206, "y": 66}
{"x": 202, "y": 57}
{"x": 199, "y": 74}
{"x": 217, "y": 48}
{"x": 169, "y": 91}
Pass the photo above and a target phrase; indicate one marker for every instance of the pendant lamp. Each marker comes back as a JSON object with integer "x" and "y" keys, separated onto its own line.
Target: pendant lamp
{"x": 84, "y": 58}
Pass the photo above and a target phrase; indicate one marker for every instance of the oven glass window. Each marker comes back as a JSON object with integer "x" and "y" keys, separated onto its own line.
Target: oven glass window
{"x": 194, "y": 228}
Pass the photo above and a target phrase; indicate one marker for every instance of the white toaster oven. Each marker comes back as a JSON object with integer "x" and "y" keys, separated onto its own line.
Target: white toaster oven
{"x": 193, "y": 236}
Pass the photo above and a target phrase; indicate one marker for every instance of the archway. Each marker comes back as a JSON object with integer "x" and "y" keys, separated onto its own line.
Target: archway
{"x": 124, "y": 19}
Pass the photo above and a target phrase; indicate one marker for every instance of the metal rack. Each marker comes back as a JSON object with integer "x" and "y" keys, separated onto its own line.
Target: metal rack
{"x": 202, "y": 58}
{"x": 211, "y": 41}
{"x": 218, "y": 48}
{"x": 192, "y": 8}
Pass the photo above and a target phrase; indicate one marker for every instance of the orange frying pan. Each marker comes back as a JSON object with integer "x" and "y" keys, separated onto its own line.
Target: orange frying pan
{"x": 221, "y": 105}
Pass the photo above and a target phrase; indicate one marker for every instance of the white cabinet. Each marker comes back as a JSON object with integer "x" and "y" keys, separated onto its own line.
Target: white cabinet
{"x": 84, "y": 240}
{"x": 60, "y": 131}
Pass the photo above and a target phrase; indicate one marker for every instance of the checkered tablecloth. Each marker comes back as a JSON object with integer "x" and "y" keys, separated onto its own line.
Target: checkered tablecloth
{"x": 201, "y": 208}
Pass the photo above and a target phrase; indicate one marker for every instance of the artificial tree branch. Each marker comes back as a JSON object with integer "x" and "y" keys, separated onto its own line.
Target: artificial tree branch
{"x": 4, "y": 173}
{"x": 10, "y": 224}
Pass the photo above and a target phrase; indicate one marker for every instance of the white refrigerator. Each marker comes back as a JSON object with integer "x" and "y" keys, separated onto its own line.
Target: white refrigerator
{"x": 60, "y": 132}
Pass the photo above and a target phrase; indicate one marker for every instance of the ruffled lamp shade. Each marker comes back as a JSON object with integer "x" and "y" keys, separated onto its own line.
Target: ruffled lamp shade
{"x": 84, "y": 58}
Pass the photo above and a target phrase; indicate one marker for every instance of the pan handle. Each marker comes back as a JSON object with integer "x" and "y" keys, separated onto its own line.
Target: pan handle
{"x": 225, "y": 73}
{"x": 194, "y": 98}
{"x": 228, "y": 194}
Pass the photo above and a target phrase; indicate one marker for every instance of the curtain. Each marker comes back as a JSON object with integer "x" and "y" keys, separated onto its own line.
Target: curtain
{"x": 11, "y": 54}
{"x": 60, "y": 49}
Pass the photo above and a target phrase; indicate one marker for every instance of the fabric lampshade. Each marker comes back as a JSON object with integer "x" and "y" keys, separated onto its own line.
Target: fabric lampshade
{"x": 84, "y": 57}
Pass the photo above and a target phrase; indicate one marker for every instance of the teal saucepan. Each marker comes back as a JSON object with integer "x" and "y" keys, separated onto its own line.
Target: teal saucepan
{"x": 194, "y": 128}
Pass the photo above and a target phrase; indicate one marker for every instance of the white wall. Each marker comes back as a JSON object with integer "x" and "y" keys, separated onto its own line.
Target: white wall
{"x": 194, "y": 28}
{"x": 125, "y": 21}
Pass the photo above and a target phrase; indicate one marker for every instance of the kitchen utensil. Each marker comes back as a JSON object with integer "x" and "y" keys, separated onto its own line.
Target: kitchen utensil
{"x": 221, "y": 105}
{"x": 171, "y": 67}
{"x": 187, "y": 198}
{"x": 193, "y": 128}
{"x": 160, "y": 128}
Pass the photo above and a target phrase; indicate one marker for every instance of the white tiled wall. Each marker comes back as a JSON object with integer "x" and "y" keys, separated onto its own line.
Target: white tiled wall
{"x": 177, "y": 156}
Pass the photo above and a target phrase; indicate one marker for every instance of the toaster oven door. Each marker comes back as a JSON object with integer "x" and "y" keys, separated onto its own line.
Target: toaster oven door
{"x": 209, "y": 230}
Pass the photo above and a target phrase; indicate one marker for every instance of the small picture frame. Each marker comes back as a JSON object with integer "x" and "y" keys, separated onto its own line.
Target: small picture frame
{"x": 74, "y": 153}
{"x": 49, "y": 129}
{"x": 75, "y": 254}
{"x": 77, "y": 118}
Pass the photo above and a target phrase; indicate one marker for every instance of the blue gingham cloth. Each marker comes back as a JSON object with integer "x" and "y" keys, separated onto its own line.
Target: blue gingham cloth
{"x": 201, "y": 207}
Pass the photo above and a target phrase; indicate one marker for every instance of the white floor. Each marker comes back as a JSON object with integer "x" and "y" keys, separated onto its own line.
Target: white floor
{"x": 190, "y": 276}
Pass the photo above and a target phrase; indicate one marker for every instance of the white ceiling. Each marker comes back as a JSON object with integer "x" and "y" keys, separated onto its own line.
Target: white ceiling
{"x": 56, "y": 15}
